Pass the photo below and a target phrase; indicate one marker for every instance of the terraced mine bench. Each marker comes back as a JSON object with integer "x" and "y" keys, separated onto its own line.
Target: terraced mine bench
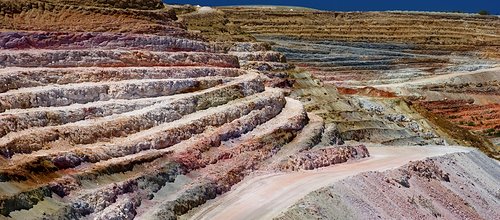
{"x": 114, "y": 110}
{"x": 103, "y": 125}
{"x": 438, "y": 57}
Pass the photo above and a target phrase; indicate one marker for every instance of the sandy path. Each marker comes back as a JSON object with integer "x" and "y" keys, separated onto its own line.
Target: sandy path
{"x": 435, "y": 79}
{"x": 266, "y": 196}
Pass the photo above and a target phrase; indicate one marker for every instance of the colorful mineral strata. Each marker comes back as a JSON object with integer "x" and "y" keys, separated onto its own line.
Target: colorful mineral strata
{"x": 137, "y": 109}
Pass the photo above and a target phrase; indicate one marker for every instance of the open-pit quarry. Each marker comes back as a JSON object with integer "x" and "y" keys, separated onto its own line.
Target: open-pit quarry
{"x": 143, "y": 110}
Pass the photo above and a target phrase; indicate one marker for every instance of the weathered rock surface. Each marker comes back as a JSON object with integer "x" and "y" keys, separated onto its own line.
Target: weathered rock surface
{"x": 112, "y": 58}
{"x": 428, "y": 31}
{"x": 17, "y": 78}
{"x": 384, "y": 55}
{"x": 89, "y": 40}
{"x": 99, "y": 125}
{"x": 326, "y": 156}
{"x": 66, "y": 128}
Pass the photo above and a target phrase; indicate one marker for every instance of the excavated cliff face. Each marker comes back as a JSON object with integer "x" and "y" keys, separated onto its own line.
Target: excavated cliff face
{"x": 102, "y": 40}
{"x": 126, "y": 4}
{"x": 213, "y": 25}
{"x": 428, "y": 31}
{"x": 374, "y": 63}
{"x": 455, "y": 186}
{"x": 107, "y": 141}
{"x": 323, "y": 157}
{"x": 365, "y": 109}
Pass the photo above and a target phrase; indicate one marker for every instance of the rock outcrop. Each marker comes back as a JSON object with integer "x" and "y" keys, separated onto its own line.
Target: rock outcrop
{"x": 102, "y": 40}
{"x": 323, "y": 157}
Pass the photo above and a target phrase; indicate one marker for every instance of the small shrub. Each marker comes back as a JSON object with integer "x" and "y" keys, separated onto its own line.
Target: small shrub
{"x": 497, "y": 134}
{"x": 471, "y": 123}
{"x": 484, "y": 12}
{"x": 489, "y": 131}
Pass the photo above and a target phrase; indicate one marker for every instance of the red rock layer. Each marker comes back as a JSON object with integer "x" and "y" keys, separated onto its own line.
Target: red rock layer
{"x": 466, "y": 114}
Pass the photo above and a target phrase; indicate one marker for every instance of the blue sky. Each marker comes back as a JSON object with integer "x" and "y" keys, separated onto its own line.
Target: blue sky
{"x": 493, "y": 6}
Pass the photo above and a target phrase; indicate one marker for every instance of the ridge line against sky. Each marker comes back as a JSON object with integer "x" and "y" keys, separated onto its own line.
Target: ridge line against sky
{"x": 469, "y": 6}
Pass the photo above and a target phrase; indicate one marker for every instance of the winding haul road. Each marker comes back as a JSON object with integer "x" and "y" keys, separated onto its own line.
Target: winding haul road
{"x": 266, "y": 196}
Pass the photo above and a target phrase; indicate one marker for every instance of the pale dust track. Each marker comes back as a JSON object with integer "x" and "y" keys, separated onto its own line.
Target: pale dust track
{"x": 436, "y": 79}
{"x": 266, "y": 196}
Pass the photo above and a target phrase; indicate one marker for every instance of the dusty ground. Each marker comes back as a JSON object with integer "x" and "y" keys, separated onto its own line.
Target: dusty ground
{"x": 265, "y": 196}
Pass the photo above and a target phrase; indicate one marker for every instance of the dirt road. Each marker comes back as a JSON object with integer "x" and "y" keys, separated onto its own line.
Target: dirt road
{"x": 437, "y": 79}
{"x": 266, "y": 196}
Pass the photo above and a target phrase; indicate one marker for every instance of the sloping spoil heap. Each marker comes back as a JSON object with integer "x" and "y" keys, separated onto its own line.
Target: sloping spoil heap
{"x": 457, "y": 186}
{"x": 109, "y": 125}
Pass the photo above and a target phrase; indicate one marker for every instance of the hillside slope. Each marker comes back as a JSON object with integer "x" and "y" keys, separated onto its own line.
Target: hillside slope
{"x": 456, "y": 186}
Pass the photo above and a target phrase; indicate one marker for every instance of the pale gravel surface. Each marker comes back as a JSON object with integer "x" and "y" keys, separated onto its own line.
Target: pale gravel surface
{"x": 266, "y": 196}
